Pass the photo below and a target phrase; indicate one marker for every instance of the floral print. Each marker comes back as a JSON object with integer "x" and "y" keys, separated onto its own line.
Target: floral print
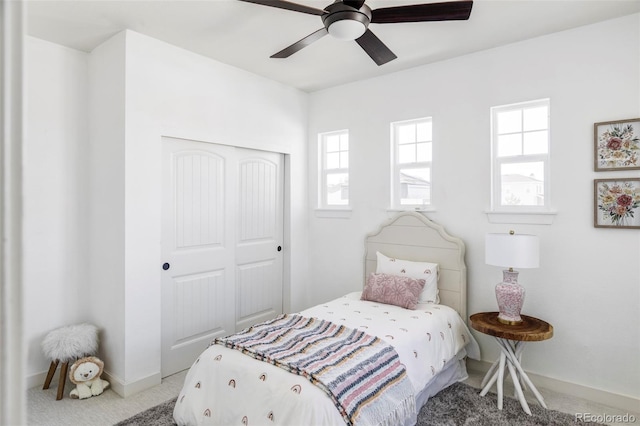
{"x": 618, "y": 201}
{"x": 618, "y": 147}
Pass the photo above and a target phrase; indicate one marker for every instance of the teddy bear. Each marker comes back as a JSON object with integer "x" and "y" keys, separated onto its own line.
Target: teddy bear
{"x": 85, "y": 374}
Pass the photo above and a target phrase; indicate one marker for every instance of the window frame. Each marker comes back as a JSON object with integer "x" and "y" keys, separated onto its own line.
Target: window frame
{"x": 497, "y": 162}
{"x": 324, "y": 172}
{"x": 396, "y": 166}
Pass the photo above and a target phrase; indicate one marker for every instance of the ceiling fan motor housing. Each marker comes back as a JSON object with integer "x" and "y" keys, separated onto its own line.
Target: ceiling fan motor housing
{"x": 345, "y": 22}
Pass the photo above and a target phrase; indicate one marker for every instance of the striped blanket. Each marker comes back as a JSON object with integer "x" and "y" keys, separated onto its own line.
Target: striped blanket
{"x": 361, "y": 374}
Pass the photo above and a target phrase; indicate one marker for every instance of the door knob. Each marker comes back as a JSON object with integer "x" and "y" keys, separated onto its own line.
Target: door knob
{"x": 279, "y": 248}
{"x": 166, "y": 266}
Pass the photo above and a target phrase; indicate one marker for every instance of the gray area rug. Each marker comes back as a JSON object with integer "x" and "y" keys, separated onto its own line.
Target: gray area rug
{"x": 458, "y": 405}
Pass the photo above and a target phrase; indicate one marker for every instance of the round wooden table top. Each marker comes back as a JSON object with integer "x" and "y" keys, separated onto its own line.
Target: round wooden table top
{"x": 529, "y": 330}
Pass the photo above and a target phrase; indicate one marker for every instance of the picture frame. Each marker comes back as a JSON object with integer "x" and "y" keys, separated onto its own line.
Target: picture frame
{"x": 617, "y": 145}
{"x": 617, "y": 203}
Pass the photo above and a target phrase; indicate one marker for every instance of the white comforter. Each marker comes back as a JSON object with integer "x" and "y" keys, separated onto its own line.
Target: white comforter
{"x": 225, "y": 387}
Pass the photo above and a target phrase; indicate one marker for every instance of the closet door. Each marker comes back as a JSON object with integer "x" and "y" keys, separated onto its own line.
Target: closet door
{"x": 213, "y": 257}
{"x": 258, "y": 237}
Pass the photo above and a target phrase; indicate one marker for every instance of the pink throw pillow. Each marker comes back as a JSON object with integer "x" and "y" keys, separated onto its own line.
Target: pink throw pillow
{"x": 393, "y": 290}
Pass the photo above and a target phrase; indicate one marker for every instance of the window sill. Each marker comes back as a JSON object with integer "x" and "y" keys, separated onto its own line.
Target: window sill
{"x": 344, "y": 213}
{"x": 411, "y": 209}
{"x": 533, "y": 218}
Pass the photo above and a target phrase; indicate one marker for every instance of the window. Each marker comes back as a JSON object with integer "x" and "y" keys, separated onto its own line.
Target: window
{"x": 411, "y": 168}
{"x": 334, "y": 169}
{"x": 520, "y": 154}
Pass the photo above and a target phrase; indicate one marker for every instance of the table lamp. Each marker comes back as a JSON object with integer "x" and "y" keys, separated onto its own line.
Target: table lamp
{"x": 511, "y": 251}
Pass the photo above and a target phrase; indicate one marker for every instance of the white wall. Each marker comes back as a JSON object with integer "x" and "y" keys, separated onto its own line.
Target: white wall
{"x": 588, "y": 284}
{"x": 92, "y": 225}
{"x": 172, "y": 92}
{"x": 55, "y": 193}
{"x": 106, "y": 227}
{"x": 590, "y": 74}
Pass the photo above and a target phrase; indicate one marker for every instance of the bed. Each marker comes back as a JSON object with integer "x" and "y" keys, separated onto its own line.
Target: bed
{"x": 377, "y": 356}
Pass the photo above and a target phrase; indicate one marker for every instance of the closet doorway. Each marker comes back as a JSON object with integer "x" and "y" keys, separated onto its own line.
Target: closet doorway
{"x": 222, "y": 235}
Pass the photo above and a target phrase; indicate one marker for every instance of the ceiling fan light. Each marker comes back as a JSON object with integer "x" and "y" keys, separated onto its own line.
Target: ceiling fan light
{"x": 347, "y": 29}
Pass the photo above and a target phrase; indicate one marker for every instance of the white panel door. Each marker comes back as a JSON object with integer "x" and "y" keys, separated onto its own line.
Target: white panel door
{"x": 215, "y": 260}
{"x": 259, "y": 231}
{"x": 197, "y": 250}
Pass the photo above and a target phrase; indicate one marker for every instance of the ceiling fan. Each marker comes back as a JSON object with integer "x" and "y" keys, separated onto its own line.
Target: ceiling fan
{"x": 349, "y": 20}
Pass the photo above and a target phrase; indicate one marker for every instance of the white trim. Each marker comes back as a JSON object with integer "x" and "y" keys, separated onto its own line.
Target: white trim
{"x": 395, "y": 167}
{"x": 286, "y": 233}
{"x": 621, "y": 402}
{"x": 497, "y": 162}
{"x": 533, "y": 218}
{"x": 12, "y": 344}
{"x": 334, "y": 213}
{"x": 427, "y": 209}
{"x": 323, "y": 172}
{"x": 127, "y": 389}
{"x": 115, "y": 382}
{"x": 38, "y": 379}
{"x": 205, "y": 138}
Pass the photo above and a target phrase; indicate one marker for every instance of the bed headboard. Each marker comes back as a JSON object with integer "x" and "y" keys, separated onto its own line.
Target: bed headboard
{"x": 412, "y": 236}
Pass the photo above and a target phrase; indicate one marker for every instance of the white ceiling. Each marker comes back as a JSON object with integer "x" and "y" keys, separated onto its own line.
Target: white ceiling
{"x": 245, "y": 35}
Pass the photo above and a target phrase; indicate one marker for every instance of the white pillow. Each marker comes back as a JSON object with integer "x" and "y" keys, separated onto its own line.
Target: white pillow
{"x": 417, "y": 270}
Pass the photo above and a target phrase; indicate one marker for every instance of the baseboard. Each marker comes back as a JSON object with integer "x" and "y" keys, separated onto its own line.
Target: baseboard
{"x": 38, "y": 379}
{"x": 622, "y": 402}
{"x": 128, "y": 389}
{"x": 116, "y": 383}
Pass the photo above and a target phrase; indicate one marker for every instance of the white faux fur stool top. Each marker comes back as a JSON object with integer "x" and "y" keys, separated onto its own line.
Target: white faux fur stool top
{"x": 71, "y": 342}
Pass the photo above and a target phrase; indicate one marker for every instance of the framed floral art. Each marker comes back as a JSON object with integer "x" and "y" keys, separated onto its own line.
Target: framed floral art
{"x": 617, "y": 145}
{"x": 617, "y": 203}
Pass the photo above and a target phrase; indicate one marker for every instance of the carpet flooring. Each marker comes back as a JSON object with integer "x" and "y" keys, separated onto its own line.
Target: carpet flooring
{"x": 458, "y": 405}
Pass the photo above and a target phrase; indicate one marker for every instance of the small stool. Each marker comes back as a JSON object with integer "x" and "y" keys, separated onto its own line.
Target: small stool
{"x": 67, "y": 344}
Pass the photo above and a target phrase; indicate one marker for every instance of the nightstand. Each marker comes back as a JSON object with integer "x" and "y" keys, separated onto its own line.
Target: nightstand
{"x": 512, "y": 340}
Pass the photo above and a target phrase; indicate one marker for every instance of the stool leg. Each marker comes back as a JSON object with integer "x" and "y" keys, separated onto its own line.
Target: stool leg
{"x": 52, "y": 370}
{"x": 63, "y": 379}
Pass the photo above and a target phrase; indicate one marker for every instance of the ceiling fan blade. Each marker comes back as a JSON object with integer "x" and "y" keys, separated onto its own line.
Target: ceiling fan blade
{"x": 375, "y": 48}
{"x": 282, "y": 4}
{"x": 356, "y": 4}
{"x": 298, "y": 45}
{"x": 444, "y": 11}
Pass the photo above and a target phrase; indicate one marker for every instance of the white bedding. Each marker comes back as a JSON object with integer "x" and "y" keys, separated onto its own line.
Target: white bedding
{"x": 225, "y": 387}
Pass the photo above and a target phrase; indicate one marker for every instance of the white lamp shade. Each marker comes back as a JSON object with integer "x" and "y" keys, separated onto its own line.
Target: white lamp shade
{"x": 512, "y": 250}
{"x": 347, "y": 29}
